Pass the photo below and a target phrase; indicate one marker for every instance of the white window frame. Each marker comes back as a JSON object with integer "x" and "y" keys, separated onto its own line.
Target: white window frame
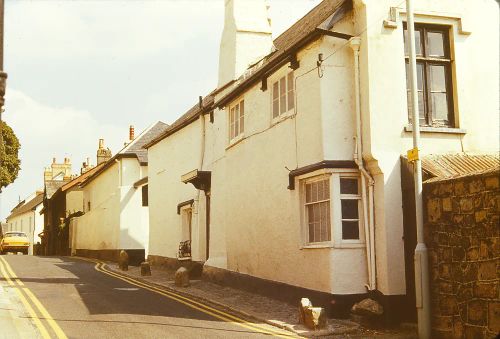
{"x": 238, "y": 135}
{"x": 185, "y": 211}
{"x": 334, "y": 176}
{"x": 288, "y": 110}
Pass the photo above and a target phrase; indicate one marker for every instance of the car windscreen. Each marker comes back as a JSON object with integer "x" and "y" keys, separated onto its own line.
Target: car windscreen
{"x": 15, "y": 234}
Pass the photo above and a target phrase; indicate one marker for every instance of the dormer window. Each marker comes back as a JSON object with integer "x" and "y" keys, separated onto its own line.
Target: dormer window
{"x": 236, "y": 121}
{"x": 283, "y": 95}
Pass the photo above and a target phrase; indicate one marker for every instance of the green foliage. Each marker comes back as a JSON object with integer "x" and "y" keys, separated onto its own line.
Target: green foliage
{"x": 9, "y": 156}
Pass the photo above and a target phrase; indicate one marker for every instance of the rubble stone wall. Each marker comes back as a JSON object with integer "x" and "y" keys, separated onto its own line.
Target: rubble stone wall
{"x": 462, "y": 231}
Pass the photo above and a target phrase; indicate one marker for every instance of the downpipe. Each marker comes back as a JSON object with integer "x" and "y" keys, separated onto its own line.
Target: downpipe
{"x": 368, "y": 215}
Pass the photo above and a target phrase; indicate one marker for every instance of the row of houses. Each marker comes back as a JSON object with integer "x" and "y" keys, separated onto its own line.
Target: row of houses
{"x": 286, "y": 178}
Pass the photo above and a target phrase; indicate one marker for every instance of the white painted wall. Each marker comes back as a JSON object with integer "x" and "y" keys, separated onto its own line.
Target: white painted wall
{"x": 167, "y": 163}
{"x": 256, "y": 220}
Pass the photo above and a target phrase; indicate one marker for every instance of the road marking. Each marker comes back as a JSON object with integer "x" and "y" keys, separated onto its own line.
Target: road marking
{"x": 36, "y": 320}
{"x": 192, "y": 303}
{"x": 55, "y": 327}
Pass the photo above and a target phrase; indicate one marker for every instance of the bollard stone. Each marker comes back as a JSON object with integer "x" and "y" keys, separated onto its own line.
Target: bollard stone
{"x": 145, "y": 269}
{"x": 312, "y": 317}
{"x": 304, "y": 303}
{"x": 123, "y": 261}
{"x": 182, "y": 277}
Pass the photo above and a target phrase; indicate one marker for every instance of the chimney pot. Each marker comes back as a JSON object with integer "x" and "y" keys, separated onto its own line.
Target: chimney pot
{"x": 131, "y": 132}
{"x": 53, "y": 160}
{"x": 101, "y": 143}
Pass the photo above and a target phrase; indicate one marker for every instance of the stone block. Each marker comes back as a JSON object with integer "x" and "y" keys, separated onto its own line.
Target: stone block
{"x": 447, "y": 205}
{"x": 487, "y": 270}
{"x": 304, "y": 303}
{"x": 458, "y": 219}
{"x": 445, "y": 287}
{"x": 458, "y": 327}
{"x": 123, "y": 260}
{"x": 446, "y": 189}
{"x": 485, "y": 290}
{"x": 458, "y": 253}
{"x": 448, "y": 305}
{"x": 491, "y": 183}
{"x": 466, "y": 205}
{"x": 445, "y": 271}
{"x": 368, "y": 307}
{"x": 473, "y": 254}
{"x": 455, "y": 205}
{"x": 478, "y": 201}
{"x": 474, "y": 332}
{"x": 470, "y": 272}
{"x": 434, "y": 210}
{"x": 480, "y": 216}
{"x": 484, "y": 250}
{"x": 315, "y": 318}
{"x": 476, "y": 185}
{"x": 494, "y": 316}
{"x": 477, "y": 312}
{"x": 182, "y": 277}
{"x": 443, "y": 323}
{"x": 460, "y": 188}
{"x": 145, "y": 269}
{"x": 464, "y": 293}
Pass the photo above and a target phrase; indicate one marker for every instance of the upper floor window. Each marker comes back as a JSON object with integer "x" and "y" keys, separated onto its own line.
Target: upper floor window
{"x": 145, "y": 195}
{"x": 283, "y": 95}
{"x": 236, "y": 120}
{"x": 434, "y": 83}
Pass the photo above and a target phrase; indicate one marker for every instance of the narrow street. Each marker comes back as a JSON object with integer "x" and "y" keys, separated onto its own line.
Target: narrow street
{"x": 66, "y": 297}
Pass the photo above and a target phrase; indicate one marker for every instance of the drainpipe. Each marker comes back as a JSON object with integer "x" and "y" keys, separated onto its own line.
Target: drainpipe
{"x": 200, "y": 166}
{"x": 422, "y": 292}
{"x": 368, "y": 219}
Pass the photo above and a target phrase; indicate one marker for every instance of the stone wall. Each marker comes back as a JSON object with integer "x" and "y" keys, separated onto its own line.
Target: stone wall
{"x": 462, "y": 232}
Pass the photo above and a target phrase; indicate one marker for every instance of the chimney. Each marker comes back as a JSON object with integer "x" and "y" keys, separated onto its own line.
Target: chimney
{"x": 131, "y": 133}
{"x": 246, "y": 37}
{"x": 103, "y": 154}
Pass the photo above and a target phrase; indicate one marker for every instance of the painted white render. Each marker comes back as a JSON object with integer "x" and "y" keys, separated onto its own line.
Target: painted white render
{"x": 256, "y": 223}
{"x": 29, "y": 222}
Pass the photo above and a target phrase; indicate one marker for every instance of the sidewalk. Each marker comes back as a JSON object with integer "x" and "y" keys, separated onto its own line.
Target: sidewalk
{"x": 260, "y": 308}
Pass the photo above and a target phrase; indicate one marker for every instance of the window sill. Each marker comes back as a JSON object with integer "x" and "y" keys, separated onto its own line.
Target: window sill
{"x": 184, "y": 258}
{"x": 316, "y": 246}
{"x": 282, "y": 117}
{"x": 447, "y": 130}
{"x": 235, "y": 141}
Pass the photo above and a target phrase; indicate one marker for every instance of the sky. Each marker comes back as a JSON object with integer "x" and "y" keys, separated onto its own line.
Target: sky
{"x": 80, "y": 70}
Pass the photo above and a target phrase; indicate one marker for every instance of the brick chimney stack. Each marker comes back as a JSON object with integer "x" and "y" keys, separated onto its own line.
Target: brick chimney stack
{"x": 103, "y": 154}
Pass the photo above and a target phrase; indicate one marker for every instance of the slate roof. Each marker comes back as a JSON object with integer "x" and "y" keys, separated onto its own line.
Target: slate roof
{"x": 305, "y": 30}
{"x": 27, "y": 206}
{"x": 451, "y": 166}
{"x": 51, "y": 186}
{"x": 137, "y": 146}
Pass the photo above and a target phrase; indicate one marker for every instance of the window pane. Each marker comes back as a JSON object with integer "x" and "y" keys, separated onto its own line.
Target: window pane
{"x": 275, "y": 91}
{"x": 308, "y": 193}
{"x": 438, "y": 78}
{"x": 435, "y": 44}
{"x": 349, "y": 209}
{"x": 314, "y": 191}
{"x": 236, "y": 126}
{"x": 420, "y": 88}
{"x": 349, "y": 186}
{"x": 291, "y": 95}
{"x": 282, "y": 95}
{"x": 350, "y": 230}
{"x": 418, "y": 42}
{"x": 242, "y": 116}
{"x": 276, "y": 108}
{"x": 439, "y": 106}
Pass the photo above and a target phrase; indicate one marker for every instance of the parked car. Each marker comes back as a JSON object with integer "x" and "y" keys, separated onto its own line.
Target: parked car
{"x": 14, "y": 242}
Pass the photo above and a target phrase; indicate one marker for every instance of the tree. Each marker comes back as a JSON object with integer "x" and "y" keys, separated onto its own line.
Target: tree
{"x": 9, "y": 156}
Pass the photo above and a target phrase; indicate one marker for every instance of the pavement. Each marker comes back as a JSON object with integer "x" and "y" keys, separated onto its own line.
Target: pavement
{"x": 260, "y": 308}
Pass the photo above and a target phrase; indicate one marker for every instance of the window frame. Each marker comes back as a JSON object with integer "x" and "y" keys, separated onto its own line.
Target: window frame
{"x": 241, "y": 117}
{"x": 287, "y": 92}
{"x": 427, "y": 61}
{"x": 336, "y": 240}
{"x": 145, "y": 195}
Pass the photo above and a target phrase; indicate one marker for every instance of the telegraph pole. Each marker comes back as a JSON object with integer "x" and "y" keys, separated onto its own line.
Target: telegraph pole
{"x": 3, "y": 80}
{"x": 421, "y": 255}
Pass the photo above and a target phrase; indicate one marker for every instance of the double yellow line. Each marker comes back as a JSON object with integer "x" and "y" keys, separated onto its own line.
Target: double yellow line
{"x": 25, "y": 294}
{"x": 219, "y": 314}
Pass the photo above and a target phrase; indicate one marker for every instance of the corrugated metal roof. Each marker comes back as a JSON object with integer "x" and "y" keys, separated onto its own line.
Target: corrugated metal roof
{"x": 449, "y": 166}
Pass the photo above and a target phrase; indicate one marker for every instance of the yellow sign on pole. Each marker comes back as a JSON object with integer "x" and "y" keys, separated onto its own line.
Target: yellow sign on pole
{"x": 412, "y": 154}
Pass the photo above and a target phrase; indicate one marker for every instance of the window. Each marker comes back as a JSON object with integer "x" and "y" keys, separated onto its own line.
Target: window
{"x": 350, "y": 202}
{"x": 317, "y": 209}
{"x": 145, "y": 197}
{"x": 435, "y": 102}
{"x": 332, "y": 209}
{"x": 88, "y": 206}
{"x": 283, "y": 95}
{"x": 236, "y": 120}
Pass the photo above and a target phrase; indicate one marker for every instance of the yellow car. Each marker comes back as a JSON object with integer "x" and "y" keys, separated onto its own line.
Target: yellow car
{"x": 14, "y": 242}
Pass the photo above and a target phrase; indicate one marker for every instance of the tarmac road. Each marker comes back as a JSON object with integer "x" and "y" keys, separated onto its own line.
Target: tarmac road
{"x": 66, "y": 297}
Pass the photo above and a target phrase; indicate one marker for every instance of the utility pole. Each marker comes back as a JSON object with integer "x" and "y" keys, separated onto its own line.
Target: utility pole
{"x": 3, "y": 80}
{"x": 421, "y": 255}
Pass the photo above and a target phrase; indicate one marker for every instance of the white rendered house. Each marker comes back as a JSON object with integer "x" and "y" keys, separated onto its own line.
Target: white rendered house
{"x": 288, "y": 174}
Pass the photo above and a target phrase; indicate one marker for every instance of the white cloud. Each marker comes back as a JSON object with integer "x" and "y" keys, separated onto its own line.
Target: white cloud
{"x": 46, "y": 132}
